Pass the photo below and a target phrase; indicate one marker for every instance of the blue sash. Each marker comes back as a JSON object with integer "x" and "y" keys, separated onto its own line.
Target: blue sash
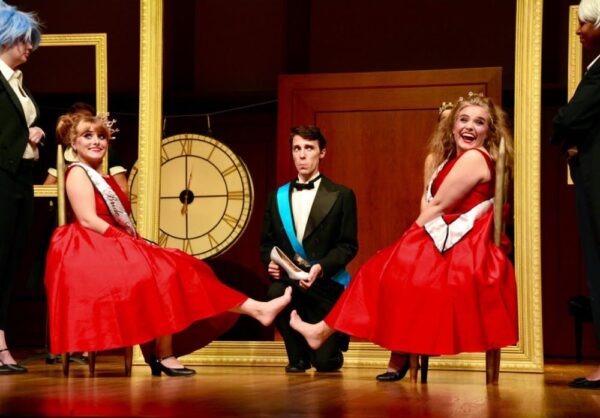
{"x": 285, "y": 213}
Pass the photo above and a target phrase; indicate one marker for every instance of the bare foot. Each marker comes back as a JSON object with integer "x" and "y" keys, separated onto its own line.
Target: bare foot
{"x": 267, "y": 311}
{"x": 315, "y": 334}
{"x": 595, "y": 375}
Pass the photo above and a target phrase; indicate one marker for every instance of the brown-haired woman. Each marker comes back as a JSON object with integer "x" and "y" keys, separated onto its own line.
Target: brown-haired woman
{"x": 107, "y": 287}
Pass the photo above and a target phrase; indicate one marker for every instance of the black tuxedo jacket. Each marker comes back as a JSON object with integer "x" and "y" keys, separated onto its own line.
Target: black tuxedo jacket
{"x": 330, "y": 236}
{"x": 578, "y": 124}
{"x": 14, "y": 132}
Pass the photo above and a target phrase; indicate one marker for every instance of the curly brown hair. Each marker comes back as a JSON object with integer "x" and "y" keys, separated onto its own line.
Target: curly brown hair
{"x": 70, "y": 125}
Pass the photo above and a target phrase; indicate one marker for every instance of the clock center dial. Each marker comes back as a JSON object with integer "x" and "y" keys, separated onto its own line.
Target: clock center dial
{"x": 186, "y": 196}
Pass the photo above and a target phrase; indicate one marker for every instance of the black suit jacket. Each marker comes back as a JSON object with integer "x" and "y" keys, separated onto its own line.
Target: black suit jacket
{"x": 14, "y": 132}
{"x": 330, "y": 236}
{"x": 578, "y": 124}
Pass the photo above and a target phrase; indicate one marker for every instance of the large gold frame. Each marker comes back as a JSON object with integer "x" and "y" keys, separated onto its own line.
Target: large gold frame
{"x": 575, "y": 62}
{"x": 98, "y": 41}
{"x": 527, "y": 355}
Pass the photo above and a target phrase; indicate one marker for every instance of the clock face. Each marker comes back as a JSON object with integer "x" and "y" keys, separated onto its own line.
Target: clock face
{"x": 206, "y": 195}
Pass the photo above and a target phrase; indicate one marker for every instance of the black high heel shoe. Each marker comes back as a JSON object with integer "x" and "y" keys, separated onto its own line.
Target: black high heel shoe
{"x": 394, "y": 376}
{"x": 11, "y": 368}
{"x": 157, "y": 368}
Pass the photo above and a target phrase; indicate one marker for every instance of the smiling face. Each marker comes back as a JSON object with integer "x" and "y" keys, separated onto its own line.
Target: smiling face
{"x": 471, "y": 128}
{"x": 589, "y": 36}
{"x": 307, "y": 156}
{"x": 90, "y": 143}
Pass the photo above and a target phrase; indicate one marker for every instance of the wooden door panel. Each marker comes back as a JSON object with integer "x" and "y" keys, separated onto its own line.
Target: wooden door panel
{"x": 377, "y": 127}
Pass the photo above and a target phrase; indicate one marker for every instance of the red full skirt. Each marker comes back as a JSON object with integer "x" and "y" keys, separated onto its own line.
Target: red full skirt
{"x": 108, "y": 292}
{"x": 411, "y": 298}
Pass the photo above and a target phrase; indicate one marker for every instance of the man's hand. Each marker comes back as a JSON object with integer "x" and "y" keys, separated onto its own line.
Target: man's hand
{"x": 274, "y": 270}
{"x": 315, "y": 272}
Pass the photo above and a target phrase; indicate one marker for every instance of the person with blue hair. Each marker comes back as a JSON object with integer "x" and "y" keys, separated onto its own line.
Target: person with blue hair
{"x": 19, "y": 141}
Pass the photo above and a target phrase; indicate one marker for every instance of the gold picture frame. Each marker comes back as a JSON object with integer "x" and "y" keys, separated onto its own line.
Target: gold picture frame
{"x": 98, "y": 41}
{"x": 527, "y": 355}
{"x": 574, "y": 63}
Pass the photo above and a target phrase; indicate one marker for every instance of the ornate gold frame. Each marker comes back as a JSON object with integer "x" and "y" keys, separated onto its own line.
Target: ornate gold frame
{"x": 574, "y": 63}
{"x": 98, "y": 41}
{"x": 527, "y": 355}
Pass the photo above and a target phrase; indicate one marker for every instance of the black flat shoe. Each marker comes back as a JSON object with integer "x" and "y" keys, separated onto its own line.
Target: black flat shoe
{"x": 583, "y": 383}
{"x": 299, "y": 367}
{"x": 157, "y": 368}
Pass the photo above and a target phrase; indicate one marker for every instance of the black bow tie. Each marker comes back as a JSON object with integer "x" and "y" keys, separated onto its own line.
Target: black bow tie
{"x": 306, "y": 186}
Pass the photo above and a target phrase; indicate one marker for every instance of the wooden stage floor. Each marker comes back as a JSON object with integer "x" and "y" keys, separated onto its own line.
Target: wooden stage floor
{"x": 269, "y": 392}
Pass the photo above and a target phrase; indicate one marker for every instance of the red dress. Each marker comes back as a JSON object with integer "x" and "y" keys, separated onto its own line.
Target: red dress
{"x": 411, "y": 297}
{"x": 106, "y": 292}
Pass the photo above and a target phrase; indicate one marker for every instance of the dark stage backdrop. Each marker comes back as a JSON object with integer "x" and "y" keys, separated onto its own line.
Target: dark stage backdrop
{"x": 220, "y": 54}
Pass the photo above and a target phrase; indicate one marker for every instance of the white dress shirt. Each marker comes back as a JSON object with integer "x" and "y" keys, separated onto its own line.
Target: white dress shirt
{"x": 302, "y": 201}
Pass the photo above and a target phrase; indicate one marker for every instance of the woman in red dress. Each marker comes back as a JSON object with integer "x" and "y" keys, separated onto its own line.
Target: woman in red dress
{"x": 107, "y": 287}
{"x": 444, "y": 287}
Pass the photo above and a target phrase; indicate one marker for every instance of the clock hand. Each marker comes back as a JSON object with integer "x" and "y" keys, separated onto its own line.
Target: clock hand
{"x": 185, "y": 199}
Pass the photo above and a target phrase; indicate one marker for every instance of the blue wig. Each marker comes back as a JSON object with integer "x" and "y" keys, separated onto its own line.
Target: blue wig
{"x": 16, "y": 25}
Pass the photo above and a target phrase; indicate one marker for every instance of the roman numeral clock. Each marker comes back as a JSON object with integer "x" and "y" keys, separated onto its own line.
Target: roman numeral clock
{"x": 206, "y": 195}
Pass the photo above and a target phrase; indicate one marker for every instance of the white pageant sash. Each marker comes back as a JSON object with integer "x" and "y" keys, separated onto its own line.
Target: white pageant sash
{"x": 111, "y": 199}
{"x": 446, "y": 236}
{"x": 435, "y": 173}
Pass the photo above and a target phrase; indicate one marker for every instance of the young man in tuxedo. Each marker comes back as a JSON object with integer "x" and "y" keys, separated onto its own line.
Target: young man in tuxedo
{"x": 313, "y": 221}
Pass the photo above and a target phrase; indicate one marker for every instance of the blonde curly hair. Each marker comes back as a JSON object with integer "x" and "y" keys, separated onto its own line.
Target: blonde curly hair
{"x": 442, "y": 144}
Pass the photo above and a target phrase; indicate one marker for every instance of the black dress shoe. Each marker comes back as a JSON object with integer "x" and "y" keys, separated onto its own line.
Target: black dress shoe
{"x": 12, "y": 369}
{"x": 583, "y": 383}
{"x": 394, "y": 376}
{"x": 157, "y": 368}
{"x": 299, "y": 367}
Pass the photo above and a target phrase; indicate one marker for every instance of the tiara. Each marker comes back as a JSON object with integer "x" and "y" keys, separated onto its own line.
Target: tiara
{"x": 108, "y": 123}
{"x": 470, "y": 95}
{"x": 445, "y": 106}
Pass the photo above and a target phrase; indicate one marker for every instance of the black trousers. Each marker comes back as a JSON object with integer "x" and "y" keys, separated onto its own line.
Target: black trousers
{"x": 312, "y": 305}
{"x": 16, "y": 213}
{"x": 590, "y": 244}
